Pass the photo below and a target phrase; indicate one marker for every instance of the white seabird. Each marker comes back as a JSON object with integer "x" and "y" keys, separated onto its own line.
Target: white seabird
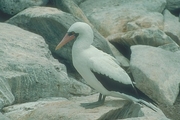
{"x": 100, "y": 70}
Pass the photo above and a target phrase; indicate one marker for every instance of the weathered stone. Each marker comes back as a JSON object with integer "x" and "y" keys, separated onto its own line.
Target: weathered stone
{"x": 12, "y": 7}
{"x": 71, "y": 110}
{"x": 147, "y": 36}
{"x": 71, "y": 7}
{"x": 28, "y": 66}
{"x": 172, "y": 26}
{"x": 156, "y": 72}
{"x": 173, "y": 5}
{"x": 173, "y": 47}
{"x": 3, "y": 117}
{"x": 110, "y": 17}
{"x": 6, "y": 97}
{"x": 52, "y": 24}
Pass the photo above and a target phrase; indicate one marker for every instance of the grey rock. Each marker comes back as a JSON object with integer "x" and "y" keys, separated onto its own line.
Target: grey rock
{"x": 156, "y": 72}
{"x": 29, "y": 68}
{"x": 6, "y": 96}
{"x": 12, "y": 7}
{"x": 173, "y": 47}
{"x": 3, "y": 117}
{"x": 71, "y": 110}
{"x": 70, "y": 6}
{"x": 171, "y": 26}
{"x": 147, "y": 36}
{"x": 52, "y": 24}
{"x": 110, "y": 17}
{"x": 173, "y": 5}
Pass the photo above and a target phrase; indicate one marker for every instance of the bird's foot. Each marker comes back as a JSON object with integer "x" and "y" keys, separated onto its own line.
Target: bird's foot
{"x": 92, "y": 105}
{"x": 100, "y": 102}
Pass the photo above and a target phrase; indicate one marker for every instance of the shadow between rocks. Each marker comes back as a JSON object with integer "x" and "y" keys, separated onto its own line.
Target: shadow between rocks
{"x": 129, "y": 110}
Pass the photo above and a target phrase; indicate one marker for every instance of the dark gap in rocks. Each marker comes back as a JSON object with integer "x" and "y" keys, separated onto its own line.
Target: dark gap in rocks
{"x": 175, "y": 12}
{"x": 67, "y": 63}
{"x": 69, "y": 66}
{"x": 124, "y": 49}
{"x": 57, "y": 4}
{"x": 51, "y": 3}
{"x": 4, "y": 16}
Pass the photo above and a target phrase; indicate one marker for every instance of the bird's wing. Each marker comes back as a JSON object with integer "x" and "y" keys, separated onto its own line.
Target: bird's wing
{"x": 110, "y": 74}
{"x": 107, "y": 65}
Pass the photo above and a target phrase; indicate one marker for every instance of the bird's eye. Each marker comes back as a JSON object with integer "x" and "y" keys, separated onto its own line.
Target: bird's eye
{"x": 73, "y": 33}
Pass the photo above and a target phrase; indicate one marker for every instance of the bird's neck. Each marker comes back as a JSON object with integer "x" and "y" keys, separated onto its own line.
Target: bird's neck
{"x": 83, "y": 42}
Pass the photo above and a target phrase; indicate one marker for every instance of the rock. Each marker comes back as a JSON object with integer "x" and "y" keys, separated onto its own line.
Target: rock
{"x": 156, "y": 72}
{"x": 173, "y": 5}
{"x": 12, "y": 7}
{"x": 171, "y": 26}
{"x": 71, "y": 7}
{"x": 111, "y": 17}
{"x": 6, "y": 97}
{"x": 29, "y": 68}
{"x": 71, "y": 110}
{"x": 52, "y": 24}
{"x": 173, "y": 47}
{"x": 147, "y": 36}
{"x": 3, "y": 117}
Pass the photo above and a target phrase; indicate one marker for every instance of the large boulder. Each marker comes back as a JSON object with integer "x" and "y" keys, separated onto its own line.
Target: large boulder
{"x": 29, "y": 68}
{"x": 52, "y": 24}
{"x": 156, "y": 72}
{"x": 12, "y": 7}
{"x": 111, "y": 17}
{"x": 147, "y": 36}
{"x": 60, "y": 108}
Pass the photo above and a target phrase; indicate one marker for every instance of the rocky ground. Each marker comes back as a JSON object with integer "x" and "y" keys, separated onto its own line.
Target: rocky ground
{"x": 39, "y": 83}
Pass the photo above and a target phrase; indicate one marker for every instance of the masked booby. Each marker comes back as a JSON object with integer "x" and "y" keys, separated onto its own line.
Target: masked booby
{"x": 100, "y": 70}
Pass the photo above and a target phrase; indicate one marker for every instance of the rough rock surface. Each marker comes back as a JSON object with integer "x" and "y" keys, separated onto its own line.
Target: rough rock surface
{"x": 173, "y": 5}
{"x": 6, "y": 97}
{"x": 156, "y": 72}
{"x": 63, "y": 109}
{"x": 29, "y": 67}
{"x": 171, "y": 26}
{"x": 12, "y": 7}
{"x": 110, "y": 17}
{"x": 3, "y": 117}
{"x": 148, "y": 36}
{"x": 71, "y": 6}
{"x": 52, "y": 24}
{"x": 122, "y": 22}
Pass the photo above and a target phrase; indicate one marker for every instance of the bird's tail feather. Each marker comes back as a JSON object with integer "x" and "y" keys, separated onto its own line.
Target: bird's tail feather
{"x": 143, "y": 96}
{"x": 147, "y": 101}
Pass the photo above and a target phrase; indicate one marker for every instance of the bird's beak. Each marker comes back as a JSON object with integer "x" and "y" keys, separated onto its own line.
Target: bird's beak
{"x": 65, "y": 40}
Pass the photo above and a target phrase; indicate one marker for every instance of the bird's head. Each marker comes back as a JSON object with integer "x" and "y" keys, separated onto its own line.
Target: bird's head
{"x": 76, "y": 29}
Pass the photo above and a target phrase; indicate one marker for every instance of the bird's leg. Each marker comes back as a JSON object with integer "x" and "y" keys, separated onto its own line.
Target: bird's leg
{"x": 100, "y": 102}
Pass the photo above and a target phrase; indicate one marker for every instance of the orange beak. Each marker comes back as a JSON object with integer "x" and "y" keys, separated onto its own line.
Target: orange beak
{"x": 65, "y": 40}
